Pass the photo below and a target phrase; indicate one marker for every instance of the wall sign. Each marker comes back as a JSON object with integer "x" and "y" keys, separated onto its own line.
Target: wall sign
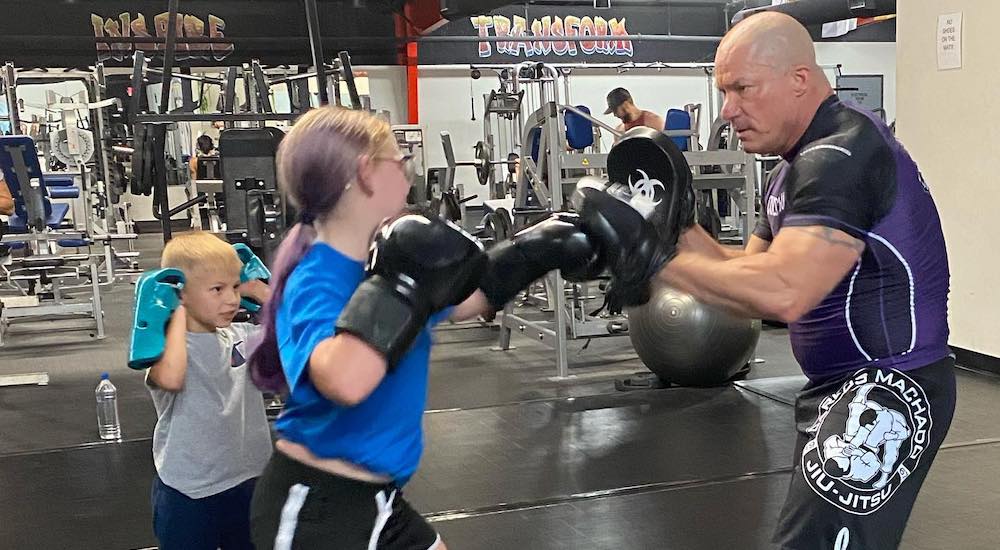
{"x": 127, "y": 25}
{"x": 603, "y": 30}
{"x": 57, "y": 33}
{"x": 949, "y": 41}
{"x": 865, "y": 90}
{"x": 606, "y": 26}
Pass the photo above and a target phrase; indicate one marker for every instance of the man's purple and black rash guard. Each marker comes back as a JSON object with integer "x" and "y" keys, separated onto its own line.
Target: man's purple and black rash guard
{"x": 848, "y": 172}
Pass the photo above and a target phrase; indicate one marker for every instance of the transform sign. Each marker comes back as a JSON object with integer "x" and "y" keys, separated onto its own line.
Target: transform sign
{"x": 603, "y": 30}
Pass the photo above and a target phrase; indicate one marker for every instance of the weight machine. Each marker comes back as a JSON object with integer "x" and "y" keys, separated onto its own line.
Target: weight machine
{"x": 77, "y": 136}
{"x": 64, "y": 152}
{"x": 255, "y": 211}
{"x": 558, "y": 143}
{"x": 410, "y": 140}
{"x": 39, "y": 277}
{"x": 549, "y": 163}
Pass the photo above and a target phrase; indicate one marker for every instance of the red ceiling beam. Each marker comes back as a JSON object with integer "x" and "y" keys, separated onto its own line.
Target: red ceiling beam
{"x": 419, "y": 17}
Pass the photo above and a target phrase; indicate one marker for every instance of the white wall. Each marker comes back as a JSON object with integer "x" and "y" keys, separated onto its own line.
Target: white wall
{"x": 863, "y": 58}
{"x": 948, "y": 122}
{"x": 387, "y": 88}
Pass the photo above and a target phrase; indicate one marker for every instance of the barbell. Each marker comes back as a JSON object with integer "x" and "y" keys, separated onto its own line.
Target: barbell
{"x": 483, "y": 162}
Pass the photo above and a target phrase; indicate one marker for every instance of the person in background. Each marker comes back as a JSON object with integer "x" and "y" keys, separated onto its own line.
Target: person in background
{"x": 621, "y": 104}
{"x": 6, "y": 200}
{"x": 205, "y": 147}
{"x": 6, "y": 209}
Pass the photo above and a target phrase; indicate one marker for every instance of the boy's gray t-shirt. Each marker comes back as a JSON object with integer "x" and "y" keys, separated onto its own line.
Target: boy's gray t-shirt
{"x": 213, "y": 434}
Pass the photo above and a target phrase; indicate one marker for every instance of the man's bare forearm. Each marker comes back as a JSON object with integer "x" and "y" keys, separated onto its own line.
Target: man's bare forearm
{"x": 696, "y": 239}
{"x": 746, "y": 285}
{"x": 782, "y": 280}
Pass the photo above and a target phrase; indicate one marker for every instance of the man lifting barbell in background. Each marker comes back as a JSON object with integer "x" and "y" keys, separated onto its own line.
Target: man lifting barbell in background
{"x": 849, "y": 252}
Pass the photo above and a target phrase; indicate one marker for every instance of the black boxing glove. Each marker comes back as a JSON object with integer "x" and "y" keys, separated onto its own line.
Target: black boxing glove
{"x": 417, "y": 266}
{"x": 628, "y": 244}
{"x": 557, "y": 242}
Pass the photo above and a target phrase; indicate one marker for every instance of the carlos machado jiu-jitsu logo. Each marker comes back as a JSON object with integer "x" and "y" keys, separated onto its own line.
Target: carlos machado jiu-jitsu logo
{"x": 868, "y": 438}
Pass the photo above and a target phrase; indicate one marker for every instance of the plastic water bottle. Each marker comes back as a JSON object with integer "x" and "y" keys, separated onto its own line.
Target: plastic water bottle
{"x": 107, "y": 409}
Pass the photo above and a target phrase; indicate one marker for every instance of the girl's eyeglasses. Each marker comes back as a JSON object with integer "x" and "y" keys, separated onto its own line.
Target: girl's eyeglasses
{"x": 405, "y": 163}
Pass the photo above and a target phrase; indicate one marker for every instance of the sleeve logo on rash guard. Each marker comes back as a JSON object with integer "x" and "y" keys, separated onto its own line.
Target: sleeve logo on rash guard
{"x": 236, "y": 357}
{"x": 775, "y": 205}
{"x": 867, "y": 439}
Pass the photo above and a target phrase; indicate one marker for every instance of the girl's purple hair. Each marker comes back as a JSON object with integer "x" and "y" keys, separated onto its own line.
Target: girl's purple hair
{"x": 316, "y": 161}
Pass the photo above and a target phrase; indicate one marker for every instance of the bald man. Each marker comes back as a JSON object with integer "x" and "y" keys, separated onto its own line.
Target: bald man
{"x": 850, "y": 253}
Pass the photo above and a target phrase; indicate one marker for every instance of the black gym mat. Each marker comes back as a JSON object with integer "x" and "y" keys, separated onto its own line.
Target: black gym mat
{"x": 99, "y": 498}
{"x": 957, "y": 507}
{"x": 779, "y": 388}
{"x": 536, "y": 451}
{"x": 953, "y": 511}
{"x": 687, "y": 487}
{"x": 466, "y": 372}
{"x": 734, "y": 514}
{"x": 95, "y": 497}
{"x": 64, "y": 413}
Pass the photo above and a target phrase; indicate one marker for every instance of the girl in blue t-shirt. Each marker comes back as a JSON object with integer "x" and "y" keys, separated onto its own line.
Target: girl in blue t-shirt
{"x": 350, "y": 349}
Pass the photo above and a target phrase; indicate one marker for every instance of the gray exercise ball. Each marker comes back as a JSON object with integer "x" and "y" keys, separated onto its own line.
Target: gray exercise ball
{"x": 686, "y": 342}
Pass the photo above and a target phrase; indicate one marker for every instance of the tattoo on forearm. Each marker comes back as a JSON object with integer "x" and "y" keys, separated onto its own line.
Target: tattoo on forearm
{"x": 830, "y": 235}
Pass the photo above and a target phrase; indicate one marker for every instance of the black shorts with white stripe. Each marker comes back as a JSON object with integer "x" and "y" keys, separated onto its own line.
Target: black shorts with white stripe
{"x": 299, "y": 507}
